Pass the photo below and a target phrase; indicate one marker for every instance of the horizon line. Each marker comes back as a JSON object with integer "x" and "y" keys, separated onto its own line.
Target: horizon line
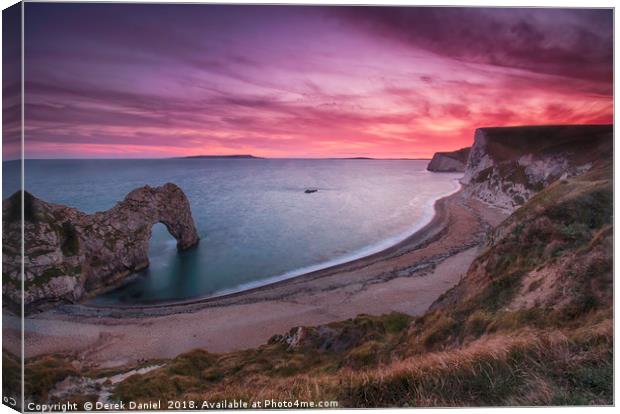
{"x": 222, "y": 157}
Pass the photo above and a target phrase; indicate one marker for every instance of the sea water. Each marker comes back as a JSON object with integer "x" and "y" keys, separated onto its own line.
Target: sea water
{"x": 256, "y": 223}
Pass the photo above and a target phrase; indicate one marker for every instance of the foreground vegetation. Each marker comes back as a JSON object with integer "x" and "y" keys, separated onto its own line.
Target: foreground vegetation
{"x": 529, "y": 324}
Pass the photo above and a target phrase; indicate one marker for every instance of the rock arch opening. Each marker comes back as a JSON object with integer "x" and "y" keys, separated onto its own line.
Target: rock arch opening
{"x": 95, "y": 252}
{"x": 162, "y": 242}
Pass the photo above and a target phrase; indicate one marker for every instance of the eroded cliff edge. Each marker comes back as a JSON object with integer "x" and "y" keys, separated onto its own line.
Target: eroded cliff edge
{"x": 508, "y": 165}
{"x": 454, "y": 161}
{"x": 70, "y": 255}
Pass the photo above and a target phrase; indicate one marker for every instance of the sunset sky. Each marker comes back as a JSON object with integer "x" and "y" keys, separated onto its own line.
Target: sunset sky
{"x": 134, "y": 81}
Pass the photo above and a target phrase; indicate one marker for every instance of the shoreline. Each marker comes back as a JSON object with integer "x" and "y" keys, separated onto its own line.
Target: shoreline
{"x": 426, "y": 233}
{"x": 434, "y": 208}
{"x": 283, "y": 289}
{"x": 407, "y": 278}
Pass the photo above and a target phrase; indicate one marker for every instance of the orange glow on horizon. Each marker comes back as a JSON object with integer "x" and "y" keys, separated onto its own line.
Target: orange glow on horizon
{"x": 318, "y": 82}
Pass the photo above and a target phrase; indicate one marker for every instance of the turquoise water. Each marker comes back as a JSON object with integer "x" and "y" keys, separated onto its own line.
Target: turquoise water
{"x": 255, "y": 222}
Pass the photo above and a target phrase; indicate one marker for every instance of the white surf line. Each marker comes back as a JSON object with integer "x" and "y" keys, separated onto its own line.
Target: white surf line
{"x": 427, "y": 217}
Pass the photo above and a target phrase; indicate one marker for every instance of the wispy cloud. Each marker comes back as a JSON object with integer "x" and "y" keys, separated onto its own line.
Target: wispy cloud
{"x": 110, "y": 80}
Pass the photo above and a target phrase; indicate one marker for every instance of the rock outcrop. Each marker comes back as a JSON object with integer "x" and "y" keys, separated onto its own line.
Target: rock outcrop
{"x": 508, "y": 165}
{"x": 454, "y": 161}
{"x": 554, "y": 252}
{"x": 70, "y": 255}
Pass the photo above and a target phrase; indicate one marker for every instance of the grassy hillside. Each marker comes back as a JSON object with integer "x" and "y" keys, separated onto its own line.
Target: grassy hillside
{"x": 529, "y": 324}
{"x": 577, "y": 143}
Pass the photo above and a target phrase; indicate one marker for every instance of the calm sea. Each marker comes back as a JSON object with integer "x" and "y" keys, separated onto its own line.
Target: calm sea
{"x": 255, "y": 222}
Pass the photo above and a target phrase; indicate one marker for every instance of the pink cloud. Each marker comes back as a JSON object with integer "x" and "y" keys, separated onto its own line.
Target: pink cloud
{"x": 302, "y": 82}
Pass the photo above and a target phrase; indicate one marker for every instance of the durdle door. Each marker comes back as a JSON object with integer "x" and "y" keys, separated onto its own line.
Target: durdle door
{"x": 71, "y": 255}
{"x": 227, "y": 205}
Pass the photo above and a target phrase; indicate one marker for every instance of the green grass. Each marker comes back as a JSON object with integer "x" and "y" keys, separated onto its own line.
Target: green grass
{"x": 396, "y": 322}
{"x": 479, "y": 350}
{"x": 42, "y": 373}
{"x": 503, "y": 370}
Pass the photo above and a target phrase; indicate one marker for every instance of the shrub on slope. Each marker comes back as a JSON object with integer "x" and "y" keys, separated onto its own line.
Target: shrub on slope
{"x": 529, "y": 324}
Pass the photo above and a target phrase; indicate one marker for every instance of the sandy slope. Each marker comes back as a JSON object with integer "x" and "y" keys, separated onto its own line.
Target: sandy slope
{"x": 406, "y": 278}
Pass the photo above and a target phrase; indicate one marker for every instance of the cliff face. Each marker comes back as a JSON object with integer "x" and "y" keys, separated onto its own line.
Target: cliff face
{"x": 454, "y": 161}
{"x": 70, "y": 254}
{"x": 507, "y": 166}
{"x": 530, "y": 323}
{"x": 555, "y": 252}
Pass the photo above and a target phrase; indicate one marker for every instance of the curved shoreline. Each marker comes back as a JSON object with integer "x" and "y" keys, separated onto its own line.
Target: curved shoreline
{"x": 407, "y": 277}
{"x": 376, "y": 250}
{"x": 372, "y": 249}
{"x": 430, "y": 232}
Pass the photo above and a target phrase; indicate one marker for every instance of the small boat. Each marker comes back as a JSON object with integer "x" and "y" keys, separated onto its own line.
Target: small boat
{"x": 311, "y": 190}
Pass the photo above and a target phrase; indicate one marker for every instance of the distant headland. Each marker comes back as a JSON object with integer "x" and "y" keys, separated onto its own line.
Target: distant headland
{"x": 378, "y": 159}
{"x": 249, "y": 156}
{"x": 223, "y": 156}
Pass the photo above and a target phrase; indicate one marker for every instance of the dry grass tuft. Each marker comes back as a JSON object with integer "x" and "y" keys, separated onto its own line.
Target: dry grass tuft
{"x": 530, "y": 324}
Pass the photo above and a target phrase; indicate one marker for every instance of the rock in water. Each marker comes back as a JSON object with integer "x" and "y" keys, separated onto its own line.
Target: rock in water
{"x": 454, "y": 161}
{"x": 70, "y": 255}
